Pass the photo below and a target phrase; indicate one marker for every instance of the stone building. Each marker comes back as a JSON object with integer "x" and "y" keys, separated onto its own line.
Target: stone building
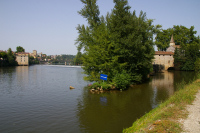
{"x": 22, "y": 59}
{"x": 34, "y": 53}
{"x": 165, "y": 58}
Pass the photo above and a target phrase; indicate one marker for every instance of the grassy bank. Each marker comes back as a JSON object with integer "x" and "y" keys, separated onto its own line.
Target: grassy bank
{"x": 166, "y": 117}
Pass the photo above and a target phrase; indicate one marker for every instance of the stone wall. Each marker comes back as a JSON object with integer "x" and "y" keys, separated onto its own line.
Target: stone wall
{"x": 164, "y": 58}
{"x": 22, "y": 59}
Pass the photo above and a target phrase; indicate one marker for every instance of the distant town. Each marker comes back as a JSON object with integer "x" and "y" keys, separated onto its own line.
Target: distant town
{"x": 22, "y": 58}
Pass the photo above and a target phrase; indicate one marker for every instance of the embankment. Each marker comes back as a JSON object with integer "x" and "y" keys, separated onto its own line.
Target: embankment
{"x": 168, "y": 115}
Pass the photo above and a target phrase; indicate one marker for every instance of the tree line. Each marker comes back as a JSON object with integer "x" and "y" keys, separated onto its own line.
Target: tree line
{"x": 187, "y": 55}
{"x": 120, "y": 44}
{"x": 7, "y": 58}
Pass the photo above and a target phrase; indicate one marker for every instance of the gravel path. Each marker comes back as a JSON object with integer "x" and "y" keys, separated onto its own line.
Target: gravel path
{"x": 192, "y": 123}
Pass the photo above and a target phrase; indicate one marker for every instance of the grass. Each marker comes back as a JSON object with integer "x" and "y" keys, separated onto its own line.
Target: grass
{"x": 166, "y": 117}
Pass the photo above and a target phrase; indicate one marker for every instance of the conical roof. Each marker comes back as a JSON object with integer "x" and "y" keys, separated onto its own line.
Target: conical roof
{"x": 172, "y": 39}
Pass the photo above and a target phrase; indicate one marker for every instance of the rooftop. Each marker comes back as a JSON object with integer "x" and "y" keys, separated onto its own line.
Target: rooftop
{"x": 163, "y": 53}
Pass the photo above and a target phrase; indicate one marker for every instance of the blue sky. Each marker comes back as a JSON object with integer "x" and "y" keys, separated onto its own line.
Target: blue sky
{"x": 49, "y": 26}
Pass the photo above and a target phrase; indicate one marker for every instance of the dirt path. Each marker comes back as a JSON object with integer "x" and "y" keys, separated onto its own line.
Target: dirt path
{"x": 192, "y": 123}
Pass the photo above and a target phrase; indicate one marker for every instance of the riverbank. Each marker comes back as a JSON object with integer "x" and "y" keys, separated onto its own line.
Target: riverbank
{"x": 171, "y": 115}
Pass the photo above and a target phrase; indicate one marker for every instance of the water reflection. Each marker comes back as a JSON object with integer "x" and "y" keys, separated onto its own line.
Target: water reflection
{"x": 162, "y": 87}
{"x": 38, "y": 99}
{"x": 113, "y": 111}
{"x": 164, "y": 81}
{"x": 7, "y": 77}
{"x": 22, "y": 77}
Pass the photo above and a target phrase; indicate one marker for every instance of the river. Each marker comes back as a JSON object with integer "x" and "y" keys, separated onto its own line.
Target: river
{"x": 37, "y": 99}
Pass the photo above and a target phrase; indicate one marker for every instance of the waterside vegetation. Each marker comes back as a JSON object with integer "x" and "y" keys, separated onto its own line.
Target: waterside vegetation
{"x": 7, "y": 58}
{"x": 119, "y": 45}
{"x": 166, "y": 117}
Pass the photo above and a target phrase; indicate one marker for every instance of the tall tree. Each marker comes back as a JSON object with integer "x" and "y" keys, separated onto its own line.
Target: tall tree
{"x": 121, "y": 43}
{"x": 90, "y": 12}
{"x": 133, "y": 39}
{"x": 19, "y": 49}
{"x": 181, "y": 34}
{"x": 11, "y": 57}
{"x": 78, "y": 59}
{"x": 186, "y": 56}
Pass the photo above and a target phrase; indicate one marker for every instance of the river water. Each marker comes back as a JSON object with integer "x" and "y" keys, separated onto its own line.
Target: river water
{"x": 37, "y": 99}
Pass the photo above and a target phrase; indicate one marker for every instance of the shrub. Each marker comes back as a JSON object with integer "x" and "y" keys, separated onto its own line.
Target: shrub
{"x": 197, "y": 65}
{"x": 96, "y": 85}
{"x": 122, "y": 80}
{"x": 105, "y": 85}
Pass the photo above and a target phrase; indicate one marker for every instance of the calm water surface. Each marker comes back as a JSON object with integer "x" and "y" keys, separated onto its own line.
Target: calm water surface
{"x": 37, "y": 99}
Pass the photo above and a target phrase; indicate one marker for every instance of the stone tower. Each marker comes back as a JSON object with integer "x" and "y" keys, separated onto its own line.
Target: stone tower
{"x": 172, "y": 43}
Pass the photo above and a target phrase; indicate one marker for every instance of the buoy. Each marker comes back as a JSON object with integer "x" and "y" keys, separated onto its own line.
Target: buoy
{"x": 71, "y": 87}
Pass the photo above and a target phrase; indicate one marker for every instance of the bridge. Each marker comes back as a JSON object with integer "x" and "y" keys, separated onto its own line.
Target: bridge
{"x": 69, "y": 66}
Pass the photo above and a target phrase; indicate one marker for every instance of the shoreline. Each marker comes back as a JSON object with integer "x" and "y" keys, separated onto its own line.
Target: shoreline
{"x": 171, "y": 115}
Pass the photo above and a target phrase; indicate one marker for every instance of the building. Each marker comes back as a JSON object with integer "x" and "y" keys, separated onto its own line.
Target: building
{"x": 165, "y": 58}
{"x": 40, "y": 54}
{"x": 22, "y": 59}
{"x": 34, "y": 53}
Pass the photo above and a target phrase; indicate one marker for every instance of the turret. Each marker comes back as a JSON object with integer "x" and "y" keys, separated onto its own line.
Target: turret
{"x": 172, "y": 43}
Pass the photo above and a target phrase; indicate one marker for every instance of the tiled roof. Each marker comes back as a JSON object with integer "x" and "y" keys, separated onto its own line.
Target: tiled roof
{"x": 22, "y": 53}
{"x": 163, "y": 53}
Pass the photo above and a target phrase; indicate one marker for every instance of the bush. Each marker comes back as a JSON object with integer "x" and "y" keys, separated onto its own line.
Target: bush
{"x": 122, "y": 80}
{"x": 197, "y": 65}
{"x": 96, "y": 85}
{"x": 105, "y": 85}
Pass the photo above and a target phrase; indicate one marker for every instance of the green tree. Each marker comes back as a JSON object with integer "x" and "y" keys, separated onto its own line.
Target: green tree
{"x": 133, "y": 39}
{"x": 3, "y": 55}
{"x": 191, "y": 54}
{"x": 3, "y": 59}
{"x": 19, "y": 49}
{"x": 197, "y": 65}
{"x": 78, "y": 58}
{"x": 120, "y": 42}
{"x": 182, "y": 36}
{"x": 186, "y": 56}
{"x": 11, "y": 57}
{"x": 33, "y": 60}
{"x": 163, "y": 38}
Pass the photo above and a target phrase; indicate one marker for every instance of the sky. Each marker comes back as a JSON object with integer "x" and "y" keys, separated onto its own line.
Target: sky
{"x": 49, "y": 26}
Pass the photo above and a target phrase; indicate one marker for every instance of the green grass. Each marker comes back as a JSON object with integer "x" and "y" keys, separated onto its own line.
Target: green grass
{"x": 165, "y": 118}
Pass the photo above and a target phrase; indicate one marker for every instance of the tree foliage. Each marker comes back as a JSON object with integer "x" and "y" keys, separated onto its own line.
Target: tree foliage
{"x": 20, "y": 49}
{"x": 186, "y": 56}
{"x": 182, "y": 36}
{"x": 119, "y": 42}
{"x": 7, "y": 59}
{"x": 11, "y": 58}
{"x": 78, "y": 58}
